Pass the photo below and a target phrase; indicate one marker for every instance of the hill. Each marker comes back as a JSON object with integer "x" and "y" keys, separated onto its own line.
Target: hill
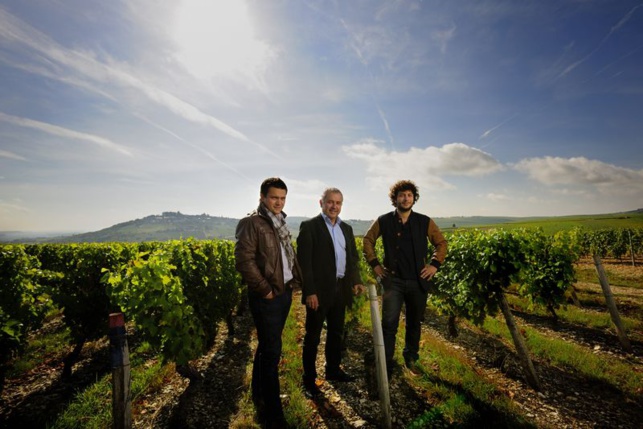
{"x": 175, "y": 225}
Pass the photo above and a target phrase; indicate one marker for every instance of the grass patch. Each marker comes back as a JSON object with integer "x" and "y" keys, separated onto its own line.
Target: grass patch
{"x": 92, "y": 408}
{"x": 572, "y": 356}
{"x": 578, "y": 316}
{"x": 459, "y": 395}
{"x": 297, "y": 410}
{"x": 617, "y": 275}
{"x": 41, "y": 350}
{"x": 244, "y": 417}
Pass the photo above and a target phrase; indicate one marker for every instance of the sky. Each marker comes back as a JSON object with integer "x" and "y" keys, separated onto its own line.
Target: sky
{"x": 115, "y": 110}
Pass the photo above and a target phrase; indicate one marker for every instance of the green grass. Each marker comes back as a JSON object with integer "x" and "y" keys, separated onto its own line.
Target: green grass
{"x": 297, "y": 409}
{"x": 573, "y": 357}
{"x": 459, "y": 395}
{"x": 623, "y": 277}
{"x": 92, "y": 408}
{"x": 578, "y": 316}
{"x": 41, "y": 350}
{"x": 564, "y": 223}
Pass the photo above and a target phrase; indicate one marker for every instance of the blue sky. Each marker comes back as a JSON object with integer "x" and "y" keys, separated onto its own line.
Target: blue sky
{"x": 116, "y": 110}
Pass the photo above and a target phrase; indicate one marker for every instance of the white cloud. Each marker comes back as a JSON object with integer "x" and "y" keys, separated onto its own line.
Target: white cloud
{"x": 581, "y": 171}
{"x": 496, "y": 197}
{"x": 424, "y": 165}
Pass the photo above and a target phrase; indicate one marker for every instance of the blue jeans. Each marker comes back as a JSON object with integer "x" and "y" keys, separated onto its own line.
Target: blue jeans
{"x": 269, "y": 316}
{"x": 396, "y": 293}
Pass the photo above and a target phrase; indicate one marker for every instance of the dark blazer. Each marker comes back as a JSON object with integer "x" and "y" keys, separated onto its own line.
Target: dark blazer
{"x": 316, "y": 257}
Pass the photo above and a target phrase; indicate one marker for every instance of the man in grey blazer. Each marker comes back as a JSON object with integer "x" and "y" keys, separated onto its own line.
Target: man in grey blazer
{"x": 328, "y": 259}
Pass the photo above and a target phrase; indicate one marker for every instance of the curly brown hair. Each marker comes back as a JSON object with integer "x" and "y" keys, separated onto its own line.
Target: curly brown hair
{"x": 403, "y": 185}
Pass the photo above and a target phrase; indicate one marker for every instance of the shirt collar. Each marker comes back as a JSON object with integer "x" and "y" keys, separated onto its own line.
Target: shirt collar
{"x": 327, "y": 220}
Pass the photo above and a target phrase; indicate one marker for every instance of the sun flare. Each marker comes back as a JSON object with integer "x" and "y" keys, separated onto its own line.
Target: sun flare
{"x": 215, "y": 38}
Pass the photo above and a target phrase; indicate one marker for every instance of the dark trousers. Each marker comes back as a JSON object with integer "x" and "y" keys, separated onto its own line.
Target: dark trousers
{"x": 334, "y": 316}
{"x": 396, "y": 293}
{"x": 269, "y": 316}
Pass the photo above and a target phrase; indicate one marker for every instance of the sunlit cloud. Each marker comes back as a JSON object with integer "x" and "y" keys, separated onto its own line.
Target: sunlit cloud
{"x": 424, "y": 165}
{"x": 581, "y": 171}
{"x": 305, "y": 189}
{"x": 65, "y": 132}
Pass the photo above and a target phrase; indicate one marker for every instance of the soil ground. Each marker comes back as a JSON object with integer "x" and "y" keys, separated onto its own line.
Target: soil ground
{"x": 568, "y": 400}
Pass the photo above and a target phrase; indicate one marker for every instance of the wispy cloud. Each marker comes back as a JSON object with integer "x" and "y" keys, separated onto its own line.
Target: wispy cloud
{"x": 91, "y": 73}
{"x": 11, "y": 155}
{"x": 11, "y": 208}
{"x": 64, "y": 132}
{"x": 386, "y": 125}
{"x": 193, "y": 146}
{"x": 614, "y": 28}
{"x": 488, "y": 132}
{"x": 443, "y": 37}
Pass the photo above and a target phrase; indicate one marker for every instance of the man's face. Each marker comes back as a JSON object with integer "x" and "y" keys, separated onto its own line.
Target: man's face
{"x": 332, "y": 205}
{"x": 404, "y": 201}
{"x": 274, "y": 200}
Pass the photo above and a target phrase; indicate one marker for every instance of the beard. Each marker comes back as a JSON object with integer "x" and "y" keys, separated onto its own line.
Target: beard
{"x": 404, "y": 209}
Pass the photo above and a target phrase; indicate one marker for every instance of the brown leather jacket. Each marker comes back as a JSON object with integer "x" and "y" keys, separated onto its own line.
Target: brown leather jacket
{"x": 258, "y": 256}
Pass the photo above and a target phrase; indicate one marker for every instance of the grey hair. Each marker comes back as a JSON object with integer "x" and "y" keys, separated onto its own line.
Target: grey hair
{"x": 330, "y": 191}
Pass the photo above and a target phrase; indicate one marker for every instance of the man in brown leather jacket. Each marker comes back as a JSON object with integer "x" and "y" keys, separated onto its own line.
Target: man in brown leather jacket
{"x": 266, "y": 260}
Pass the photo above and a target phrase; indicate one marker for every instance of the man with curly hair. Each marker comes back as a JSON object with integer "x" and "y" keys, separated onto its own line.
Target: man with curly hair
{"x": 407, "y": 268}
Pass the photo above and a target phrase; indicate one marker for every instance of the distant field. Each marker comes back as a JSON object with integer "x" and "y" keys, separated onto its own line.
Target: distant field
{"x": 553, "y": 224}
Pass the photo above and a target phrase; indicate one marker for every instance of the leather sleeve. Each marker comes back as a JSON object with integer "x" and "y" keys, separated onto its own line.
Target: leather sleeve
{"x": 439, "y": 243}
{"x": 245, "y": 251}
{"x": 370, "y": 238}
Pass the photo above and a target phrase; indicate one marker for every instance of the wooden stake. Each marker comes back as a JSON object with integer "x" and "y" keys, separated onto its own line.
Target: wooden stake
{"x": 121, "y": 397}
{"x": 521, "y": 348}
{"x": 611, "y": 305}
{"x": 380, "y": 359}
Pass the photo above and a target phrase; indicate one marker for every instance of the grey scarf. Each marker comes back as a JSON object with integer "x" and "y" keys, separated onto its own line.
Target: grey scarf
{"x": 279, "y": 221}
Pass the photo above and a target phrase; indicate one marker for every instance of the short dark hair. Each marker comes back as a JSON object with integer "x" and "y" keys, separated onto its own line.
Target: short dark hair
{"x": 272, "y": 182}
{"x": 403, "y": 185}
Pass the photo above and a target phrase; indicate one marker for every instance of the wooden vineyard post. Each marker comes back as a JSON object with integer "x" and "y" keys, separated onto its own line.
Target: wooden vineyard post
{"x": 380, "y": 359}
{"x": 521, "y": 348}
{"x": 611, "y": 305}
{"x": 121, "y": 397}
{"x": 629, "y": 234}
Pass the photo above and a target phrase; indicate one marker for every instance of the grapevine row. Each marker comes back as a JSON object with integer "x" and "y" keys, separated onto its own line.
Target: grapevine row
{"x": 176, "y": 292}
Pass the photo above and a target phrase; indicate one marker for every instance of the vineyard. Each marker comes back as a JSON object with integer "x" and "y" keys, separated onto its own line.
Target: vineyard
{"x": 518, "y": 333}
